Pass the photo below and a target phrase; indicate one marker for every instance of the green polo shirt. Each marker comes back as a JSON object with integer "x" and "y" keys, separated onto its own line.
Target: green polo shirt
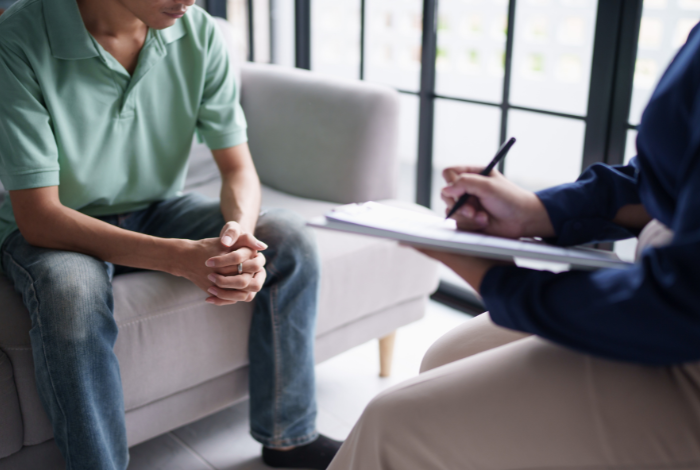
{"x": 72, "y": 116}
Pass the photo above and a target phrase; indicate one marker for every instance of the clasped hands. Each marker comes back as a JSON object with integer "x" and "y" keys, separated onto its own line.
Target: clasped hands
{"x": 212, "y": 265}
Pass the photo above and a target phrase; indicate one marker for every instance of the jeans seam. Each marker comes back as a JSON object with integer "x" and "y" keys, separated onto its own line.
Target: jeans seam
{"x": 275, "y": 349}
{"x": 43, "y": 351}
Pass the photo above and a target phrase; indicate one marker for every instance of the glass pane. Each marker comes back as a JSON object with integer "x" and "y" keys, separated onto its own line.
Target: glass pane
{"x": 625, "y": 248}
{"x": 408, "y": 146}
{"x": 335, "y": 37}
{"x": 465, "y": 134}
{"x": 282, "y": 34}
{"x": 664, "y": 29}
{"x": 261, "y": 30}
{"x": 471, "y": 45}
{"x": 237, "y": 11}
{"x": 630, "y": 145}
{"x": 548, "y": 152}
{"x": 393, "y": 42}
{"x": 552, "y": 52}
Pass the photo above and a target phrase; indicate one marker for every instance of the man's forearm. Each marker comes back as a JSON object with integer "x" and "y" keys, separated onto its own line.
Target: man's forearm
{"x": 60, "y": 228}
{"x": 240, "y": 188}
{"x": 240, "y": 198}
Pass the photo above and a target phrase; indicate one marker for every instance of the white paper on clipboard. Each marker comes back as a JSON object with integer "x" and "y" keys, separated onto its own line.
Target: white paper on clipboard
{"x": 432, "y": 231}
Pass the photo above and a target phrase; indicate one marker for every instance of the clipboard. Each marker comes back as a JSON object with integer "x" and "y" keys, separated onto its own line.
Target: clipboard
{"x": 433, "y": 232}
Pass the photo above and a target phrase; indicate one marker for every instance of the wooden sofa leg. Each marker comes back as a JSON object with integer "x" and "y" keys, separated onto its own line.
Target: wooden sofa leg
{"x": 386, "y": 354}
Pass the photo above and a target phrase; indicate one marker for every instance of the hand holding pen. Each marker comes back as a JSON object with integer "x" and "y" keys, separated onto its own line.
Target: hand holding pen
{"x": 500, "y": 155}
{"x": 499, "y": 206}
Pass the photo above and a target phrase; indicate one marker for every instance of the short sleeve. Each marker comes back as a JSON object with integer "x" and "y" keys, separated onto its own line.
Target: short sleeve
{"x": 28, "y": 151}
{"x": 220, "y": 122}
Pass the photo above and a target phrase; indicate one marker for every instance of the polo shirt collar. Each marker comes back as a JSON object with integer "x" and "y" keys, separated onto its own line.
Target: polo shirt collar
{"x": 68, "y": 36}
{"x": 174, "y": 32}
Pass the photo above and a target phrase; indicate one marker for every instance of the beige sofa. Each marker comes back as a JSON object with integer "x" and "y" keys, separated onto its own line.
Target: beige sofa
{"x": 316, "y": 142}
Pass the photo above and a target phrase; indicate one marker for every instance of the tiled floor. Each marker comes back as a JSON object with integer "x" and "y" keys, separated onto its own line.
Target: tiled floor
{"x": 345, "y": 385}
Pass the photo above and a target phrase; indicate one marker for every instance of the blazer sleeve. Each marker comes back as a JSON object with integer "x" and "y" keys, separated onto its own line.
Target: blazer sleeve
{"x": 582, "y": 212}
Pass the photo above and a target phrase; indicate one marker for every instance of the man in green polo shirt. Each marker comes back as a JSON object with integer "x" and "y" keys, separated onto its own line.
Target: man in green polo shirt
{"x": 99, "y": 101}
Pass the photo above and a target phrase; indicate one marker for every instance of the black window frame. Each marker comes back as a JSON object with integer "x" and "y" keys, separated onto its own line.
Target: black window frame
{"x": 606, "y": 119}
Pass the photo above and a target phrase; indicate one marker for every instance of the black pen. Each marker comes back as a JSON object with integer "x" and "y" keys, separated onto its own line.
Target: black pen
{"x": 499, "y": 156}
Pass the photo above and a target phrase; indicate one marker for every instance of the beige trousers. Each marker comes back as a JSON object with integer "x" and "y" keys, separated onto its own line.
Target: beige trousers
{"x": 491, "y": 398}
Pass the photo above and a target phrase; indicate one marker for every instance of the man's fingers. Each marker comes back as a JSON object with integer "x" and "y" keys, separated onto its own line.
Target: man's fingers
{"x": 249, "y": 240}
{"x": 226, "y": 294}
{"x": 256, "y": 282}
{"x": 219, "y": 302}
{"x": 255, "y": 265}
{"x": 230, "y": 282}
{"x": 230, "y": 234}
{"x": 250, "y": 266}
{"x": 233, "y": 258}
{"x": 243, "y": 282}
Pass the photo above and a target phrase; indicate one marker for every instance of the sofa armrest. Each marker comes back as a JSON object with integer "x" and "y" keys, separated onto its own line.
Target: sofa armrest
{"x": 321, "y": 138}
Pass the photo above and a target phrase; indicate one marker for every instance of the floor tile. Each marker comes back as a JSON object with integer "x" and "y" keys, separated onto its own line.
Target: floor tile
{"x": 223, "y": 440}
{"x": 165, "y": 453}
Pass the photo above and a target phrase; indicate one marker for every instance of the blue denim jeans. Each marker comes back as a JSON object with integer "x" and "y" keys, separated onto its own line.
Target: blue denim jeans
{"x": 69, "y": 298}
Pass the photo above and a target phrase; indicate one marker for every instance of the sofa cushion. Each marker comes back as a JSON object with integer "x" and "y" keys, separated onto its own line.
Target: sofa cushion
{"x": 170, "y": 339}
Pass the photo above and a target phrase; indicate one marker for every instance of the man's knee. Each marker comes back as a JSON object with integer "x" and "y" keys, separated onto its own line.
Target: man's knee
{"x": 73, "y": 297}
{"x": 290, "y": 239}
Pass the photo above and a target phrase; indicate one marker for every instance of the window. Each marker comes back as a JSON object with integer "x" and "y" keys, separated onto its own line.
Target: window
{"x": 335, "y": 37}
{"x": 251, "y": 25}
{"x": 568, "y": 78}
{"x": 394, "y": 29}
{"x": 663, "y": 30}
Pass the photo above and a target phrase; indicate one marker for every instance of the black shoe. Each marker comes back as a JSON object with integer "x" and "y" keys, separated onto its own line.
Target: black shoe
{"x": 314, "y": 455}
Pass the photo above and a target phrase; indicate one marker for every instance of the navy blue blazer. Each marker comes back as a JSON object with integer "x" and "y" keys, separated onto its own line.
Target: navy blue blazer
{"x": 650, "y": 312}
